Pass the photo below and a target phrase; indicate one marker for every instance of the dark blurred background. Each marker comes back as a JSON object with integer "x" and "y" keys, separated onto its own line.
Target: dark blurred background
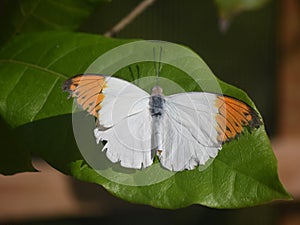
{"x": 244, "y": 55}
{"x": 259, "y": 53}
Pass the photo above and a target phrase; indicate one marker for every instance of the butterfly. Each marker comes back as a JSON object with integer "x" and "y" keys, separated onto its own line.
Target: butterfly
{"x": 182, "y": 130}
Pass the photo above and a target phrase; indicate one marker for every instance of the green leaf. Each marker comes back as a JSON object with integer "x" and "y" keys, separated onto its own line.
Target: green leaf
{"x": 229, "y": 8}
{"x": 35, "y": 15}
{"x": 240, "y": 176}
{"x": 33, "y": 67}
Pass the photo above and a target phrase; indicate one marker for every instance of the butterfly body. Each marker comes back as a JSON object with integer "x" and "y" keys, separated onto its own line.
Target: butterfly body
{"x": 184, "y": 129}
{"x": 157, "y": 103}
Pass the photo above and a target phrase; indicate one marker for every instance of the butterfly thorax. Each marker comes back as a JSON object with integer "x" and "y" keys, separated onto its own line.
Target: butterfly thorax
{"x": 157, "y": 102}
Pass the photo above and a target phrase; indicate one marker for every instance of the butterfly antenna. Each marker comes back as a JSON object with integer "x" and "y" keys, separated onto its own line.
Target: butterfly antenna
{"x": 154, "y": 62}
{"x": 157, "y": 65}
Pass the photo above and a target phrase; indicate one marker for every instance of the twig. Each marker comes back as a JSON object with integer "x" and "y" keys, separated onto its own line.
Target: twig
{"x": 129, "y": 18}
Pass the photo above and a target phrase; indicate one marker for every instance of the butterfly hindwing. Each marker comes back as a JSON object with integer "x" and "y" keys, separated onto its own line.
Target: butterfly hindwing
{"x": 129, "y": 141}
{"x": 189, "y": 137}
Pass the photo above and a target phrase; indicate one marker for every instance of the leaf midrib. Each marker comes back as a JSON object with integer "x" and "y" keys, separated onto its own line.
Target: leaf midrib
{"x": 56, "y": 74}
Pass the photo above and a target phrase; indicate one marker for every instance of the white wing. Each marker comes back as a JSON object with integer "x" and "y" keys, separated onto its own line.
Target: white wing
{"x": 121, "y": 99}
{"x": 189, "y": 130}
{"x": 125, "y": 123}
{"x": 129, "y": 141}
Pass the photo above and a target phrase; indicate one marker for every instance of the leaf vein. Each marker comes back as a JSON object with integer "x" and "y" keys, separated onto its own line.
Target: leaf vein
{"x": 16, "y": 83}
{"x": 61, "y": 56}
{"x": 45, "y": 99}
{"x": 34, "y": 67}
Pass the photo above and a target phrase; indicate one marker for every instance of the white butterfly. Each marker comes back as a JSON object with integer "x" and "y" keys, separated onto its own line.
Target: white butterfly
{"x": 184, "y": 130}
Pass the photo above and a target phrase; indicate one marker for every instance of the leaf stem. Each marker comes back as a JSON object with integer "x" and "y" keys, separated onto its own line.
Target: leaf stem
{"x": 129, "y": 18}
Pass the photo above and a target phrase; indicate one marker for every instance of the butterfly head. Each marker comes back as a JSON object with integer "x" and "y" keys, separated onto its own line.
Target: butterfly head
{"x": 157, "y": 90}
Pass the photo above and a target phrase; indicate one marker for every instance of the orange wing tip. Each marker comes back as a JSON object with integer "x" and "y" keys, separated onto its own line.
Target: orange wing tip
{"x": 87, "y": 89}
{"x": 232, "y": 116}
